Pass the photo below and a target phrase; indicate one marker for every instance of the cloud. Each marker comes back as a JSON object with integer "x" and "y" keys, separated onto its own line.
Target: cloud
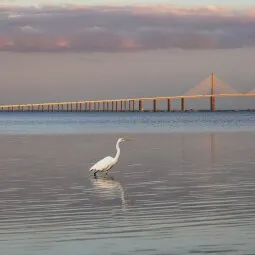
{"x": 127, "y": 28}
{"x": 29, "y": 29}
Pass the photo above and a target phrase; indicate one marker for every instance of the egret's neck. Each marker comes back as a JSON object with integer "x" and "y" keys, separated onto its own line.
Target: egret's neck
{"x": 118, "y": 151}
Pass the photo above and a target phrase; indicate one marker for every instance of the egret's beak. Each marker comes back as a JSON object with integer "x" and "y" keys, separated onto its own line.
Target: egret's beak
{"x": 127, "y": 139}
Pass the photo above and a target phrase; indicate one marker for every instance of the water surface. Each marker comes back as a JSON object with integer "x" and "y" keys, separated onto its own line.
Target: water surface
{"x": 170, "y": 194}
{"x": 127, "y": 122}
{"x": 184, "y": 184}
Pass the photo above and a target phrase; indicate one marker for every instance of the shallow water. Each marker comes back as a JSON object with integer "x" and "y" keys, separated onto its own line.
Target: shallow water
{"x": 174, "y": 193}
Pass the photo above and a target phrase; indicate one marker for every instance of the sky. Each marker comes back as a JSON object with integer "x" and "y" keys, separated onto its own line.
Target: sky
{"x": 241, "y": 4}
{"x": 75, "y": 51}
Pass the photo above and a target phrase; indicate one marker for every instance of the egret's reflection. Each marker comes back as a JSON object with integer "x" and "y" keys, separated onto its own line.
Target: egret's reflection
{"x": 108, "y": 187}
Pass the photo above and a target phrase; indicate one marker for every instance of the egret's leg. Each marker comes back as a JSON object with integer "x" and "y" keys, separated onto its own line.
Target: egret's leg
{"x": 95, "y": 174}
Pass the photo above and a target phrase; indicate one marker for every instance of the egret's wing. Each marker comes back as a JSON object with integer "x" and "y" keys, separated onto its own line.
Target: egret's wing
{"x": 103, "y": 164}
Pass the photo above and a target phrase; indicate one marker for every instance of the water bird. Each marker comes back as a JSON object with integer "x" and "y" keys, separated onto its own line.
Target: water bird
{"x": 107, "y": 163}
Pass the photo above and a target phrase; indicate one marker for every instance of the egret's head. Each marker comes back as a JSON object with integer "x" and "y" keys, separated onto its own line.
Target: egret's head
{"x": 122, "y": 140}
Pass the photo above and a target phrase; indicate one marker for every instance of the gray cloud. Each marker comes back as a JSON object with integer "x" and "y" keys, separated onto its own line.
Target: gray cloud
{"x": 113, "y": 29}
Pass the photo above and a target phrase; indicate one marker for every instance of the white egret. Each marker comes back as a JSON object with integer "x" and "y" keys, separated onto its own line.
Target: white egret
{"x": 107, "y": 163}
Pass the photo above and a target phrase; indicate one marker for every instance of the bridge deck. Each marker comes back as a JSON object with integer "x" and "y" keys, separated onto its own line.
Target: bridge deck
{"x": 127, "y": 100}
{"x": 208, "y": 88}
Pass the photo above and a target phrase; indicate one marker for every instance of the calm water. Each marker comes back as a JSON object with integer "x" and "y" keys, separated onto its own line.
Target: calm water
{"x": 125, "y": 122}
{"x": 171, "y": 193}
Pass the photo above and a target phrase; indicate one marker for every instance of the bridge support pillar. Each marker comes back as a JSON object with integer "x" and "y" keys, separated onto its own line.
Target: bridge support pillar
{"x": 133, "y": 105}
{"x": 213, "y": 103}
{"x": 140, "y": 105}
{"x": 116, "y": 106}
{"x": 212, "y": 98}
{"x": 125, "y": 105}
{"x": 182, "y": 104}
{"x": 168, "y": 104}
{"x": 154, "y": 105}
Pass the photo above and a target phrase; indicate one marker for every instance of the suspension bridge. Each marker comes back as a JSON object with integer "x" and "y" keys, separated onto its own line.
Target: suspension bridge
{"x": 210, "y": 88}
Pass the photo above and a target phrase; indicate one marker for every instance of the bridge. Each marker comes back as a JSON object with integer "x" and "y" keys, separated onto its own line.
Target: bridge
{"x": 210, "y": 88}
